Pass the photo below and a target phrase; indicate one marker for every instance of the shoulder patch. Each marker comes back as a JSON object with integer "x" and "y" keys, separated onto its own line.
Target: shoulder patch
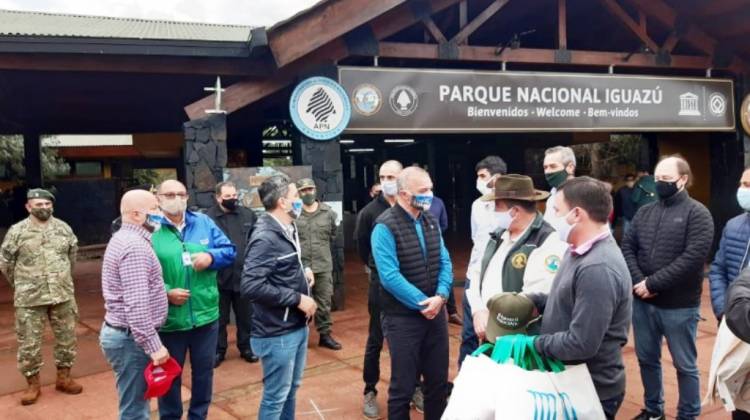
{"x": 552, "y": 263}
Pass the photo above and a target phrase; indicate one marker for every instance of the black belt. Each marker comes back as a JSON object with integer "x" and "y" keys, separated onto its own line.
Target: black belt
{"x": 121, "y": 329}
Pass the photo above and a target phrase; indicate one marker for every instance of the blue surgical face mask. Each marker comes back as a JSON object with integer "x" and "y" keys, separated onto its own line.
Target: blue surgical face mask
{"x": 421, "y": 201}
{"x": 389, "y": 188}
{"x": 296, "y": 209}
{"x": 743, "y": 197}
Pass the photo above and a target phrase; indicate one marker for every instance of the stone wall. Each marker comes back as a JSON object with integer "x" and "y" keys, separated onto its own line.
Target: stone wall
{"x": 325, "y": 159}
{"x": 205, "y": 156}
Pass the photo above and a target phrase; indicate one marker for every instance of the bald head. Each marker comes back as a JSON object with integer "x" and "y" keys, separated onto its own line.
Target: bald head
{"x": 136, "y": 205}
{"x": 171, "y": 185}
{"x": 674, "y": 169}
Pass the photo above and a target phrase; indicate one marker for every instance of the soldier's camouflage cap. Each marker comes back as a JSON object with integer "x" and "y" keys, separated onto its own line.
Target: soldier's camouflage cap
{"x": 40, "y": 193}
{"x": 305, "y": 183}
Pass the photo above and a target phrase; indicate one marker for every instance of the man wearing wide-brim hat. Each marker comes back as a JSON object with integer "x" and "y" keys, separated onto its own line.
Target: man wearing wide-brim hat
{"x": 522, "y": 255}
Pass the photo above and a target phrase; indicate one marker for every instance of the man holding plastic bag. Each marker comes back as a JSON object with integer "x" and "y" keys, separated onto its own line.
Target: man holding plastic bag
{"x": 587, "y": 314}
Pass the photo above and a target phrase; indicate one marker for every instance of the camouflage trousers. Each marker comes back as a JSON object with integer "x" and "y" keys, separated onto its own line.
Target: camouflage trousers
{"x": 30, "y": 333}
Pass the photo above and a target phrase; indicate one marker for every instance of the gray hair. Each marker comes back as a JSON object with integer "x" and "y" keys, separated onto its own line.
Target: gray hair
{"x": 272, "y": 189}
{"x": 566, "y": 154}
{"x": 228, "y": 184}
{"x": 407, "y": 175}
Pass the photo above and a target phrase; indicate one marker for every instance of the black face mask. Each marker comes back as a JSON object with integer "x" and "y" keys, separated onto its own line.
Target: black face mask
{"x": 229, "y": 204}
{"x": 666, "y": 189}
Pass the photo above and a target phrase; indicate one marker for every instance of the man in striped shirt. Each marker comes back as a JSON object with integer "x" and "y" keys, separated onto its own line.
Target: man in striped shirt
{"x": 135, "y": 301}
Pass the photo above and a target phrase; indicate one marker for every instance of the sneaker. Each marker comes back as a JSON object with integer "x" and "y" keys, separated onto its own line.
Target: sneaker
{"x": 371, "y": 410}
{"x": 417, "y": 400}
{"x": 647, "y": 415}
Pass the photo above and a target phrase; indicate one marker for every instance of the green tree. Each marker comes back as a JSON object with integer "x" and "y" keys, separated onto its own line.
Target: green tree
{"x": 11, "y": 158}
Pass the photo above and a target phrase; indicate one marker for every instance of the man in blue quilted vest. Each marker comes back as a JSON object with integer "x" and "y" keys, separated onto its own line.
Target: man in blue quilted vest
{"x": 415, "y": 277}
{"x": 734, "y": 249}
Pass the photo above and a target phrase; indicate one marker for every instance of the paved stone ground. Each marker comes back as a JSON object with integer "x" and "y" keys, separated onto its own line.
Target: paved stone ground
{"x": 332, "y": 385}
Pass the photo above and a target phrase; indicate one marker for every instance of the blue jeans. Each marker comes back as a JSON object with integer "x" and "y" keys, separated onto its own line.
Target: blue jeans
{"x": 469, "y": 339}
{"x": 128, "y": 361}
{"x": 678, "y": 326}
{"x": 612, "y": 406}
{"x": 283, "y": 360}
{"x": 201, "y": 343}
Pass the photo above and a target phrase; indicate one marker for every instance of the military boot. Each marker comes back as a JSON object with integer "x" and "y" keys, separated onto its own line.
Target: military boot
{"x": 32, "y": 392}
{"x": 65, "y": 383}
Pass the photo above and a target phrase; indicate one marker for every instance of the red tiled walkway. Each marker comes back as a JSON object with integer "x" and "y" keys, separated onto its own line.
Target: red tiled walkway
{"x": 332, "y": 385}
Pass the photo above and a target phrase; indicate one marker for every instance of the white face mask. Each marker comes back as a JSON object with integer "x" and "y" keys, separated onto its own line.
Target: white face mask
{"x": 503, "y": 219}
{"x": 563, "y": 228}
{"x": 482, "y": 187}
{"x": 389, "y": 188}
{"x": 174, "y": 207}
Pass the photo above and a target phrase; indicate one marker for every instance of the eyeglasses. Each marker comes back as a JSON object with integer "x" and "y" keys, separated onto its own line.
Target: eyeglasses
{"x": 172, "y": 196}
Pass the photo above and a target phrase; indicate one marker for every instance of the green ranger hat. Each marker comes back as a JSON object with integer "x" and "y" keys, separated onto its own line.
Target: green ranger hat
{"x": 510, "y": 313}
{"x": 305, "y": 183}
{"x": 40, "y": 193}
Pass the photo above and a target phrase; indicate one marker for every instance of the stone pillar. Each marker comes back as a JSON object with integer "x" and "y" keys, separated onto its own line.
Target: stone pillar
{"x": 325, "y": 159}
{"x": 328, "y": 174}
{"x": 205, "y": 156}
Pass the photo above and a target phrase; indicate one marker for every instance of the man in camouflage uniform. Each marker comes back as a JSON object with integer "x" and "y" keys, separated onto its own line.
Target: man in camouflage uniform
{"x": 317, "y": 229}
{"x": 37, "y": 258}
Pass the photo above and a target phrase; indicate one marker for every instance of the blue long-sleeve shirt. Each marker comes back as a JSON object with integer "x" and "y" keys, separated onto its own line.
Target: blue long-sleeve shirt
{"x": 386, "y": 260}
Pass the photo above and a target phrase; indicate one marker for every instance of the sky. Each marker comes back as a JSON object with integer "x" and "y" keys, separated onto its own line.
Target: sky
{"x": 239, "y": 12}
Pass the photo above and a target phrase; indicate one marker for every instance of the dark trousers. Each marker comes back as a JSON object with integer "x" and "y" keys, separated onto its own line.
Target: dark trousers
{"x": 611, "y": 406}
{"x": 371, "y": 370}
{"x": 418, "y": 346}
{"x": 469, "y": 339}
{"x": 740, "y": 415}
{"x": 201, "y": 343}
{"x": 232, "y": 301}
{"x": 451, "y": 304}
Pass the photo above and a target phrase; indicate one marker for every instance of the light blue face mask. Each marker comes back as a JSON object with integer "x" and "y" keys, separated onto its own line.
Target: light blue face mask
{"x": 296, "y": 208}
{"x": 421, "y": 201}
{"x": 743, "y": 198}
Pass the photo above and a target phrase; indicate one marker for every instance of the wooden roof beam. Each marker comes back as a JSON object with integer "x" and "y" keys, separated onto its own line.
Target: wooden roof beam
{"x": 433, "y": 29}
{"x": 543, "y": 56}
{"x": 636, "y": 28}
{"x": 463, "y": 35}
{"x": 693, "y": 35}
{"x": 293, "y": 39}
{"x": 246, "y": 92}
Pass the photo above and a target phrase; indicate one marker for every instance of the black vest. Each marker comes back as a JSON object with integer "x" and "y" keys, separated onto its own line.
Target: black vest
{"x": 419, "y": 268}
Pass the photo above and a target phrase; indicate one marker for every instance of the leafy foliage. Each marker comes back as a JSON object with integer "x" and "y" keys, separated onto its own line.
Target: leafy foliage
{"x": 12, "y": 158}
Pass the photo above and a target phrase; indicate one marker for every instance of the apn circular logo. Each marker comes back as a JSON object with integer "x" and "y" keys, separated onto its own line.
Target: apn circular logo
{"x": 717, "y": 104}
{"x": 320, "y": 108}
{"x": 404, "y": 100}
{"x": 367, "y": 99}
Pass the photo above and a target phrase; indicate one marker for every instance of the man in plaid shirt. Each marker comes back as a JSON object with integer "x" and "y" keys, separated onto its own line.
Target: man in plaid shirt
{"x": 135, "y": 301}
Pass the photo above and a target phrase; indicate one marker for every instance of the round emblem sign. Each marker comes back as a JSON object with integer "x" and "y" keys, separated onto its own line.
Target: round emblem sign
{"x": 404, "y": 100}
{"x": 745, "y": 114}
{"x": 320, "y": 108}
{"x": 367, "y": 99}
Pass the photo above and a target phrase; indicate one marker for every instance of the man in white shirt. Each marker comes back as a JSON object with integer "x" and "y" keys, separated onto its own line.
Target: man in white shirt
{"x": 523, "y": 253}
{"x": 483, "y": 222}
{"x": 559, "y": 166}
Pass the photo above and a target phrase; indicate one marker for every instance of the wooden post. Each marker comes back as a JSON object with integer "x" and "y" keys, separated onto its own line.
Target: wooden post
{"x": 32, "y": 151}
{"x": 463, "y": 14}
{"x": 562, "y": 25}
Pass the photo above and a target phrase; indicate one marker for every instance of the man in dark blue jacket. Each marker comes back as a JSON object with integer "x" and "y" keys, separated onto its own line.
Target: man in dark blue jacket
{"x": 278, "y": 286}
{"x": 734, "y": 249}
